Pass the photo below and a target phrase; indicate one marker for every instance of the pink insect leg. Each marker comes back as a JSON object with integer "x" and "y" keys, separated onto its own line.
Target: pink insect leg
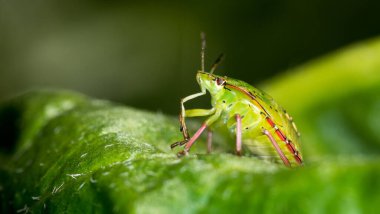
{"x": 278, "y": 149}
{"x": 192, "y": 140}
{"x": 209, "y": 141}
{"x": 238, "y": 134}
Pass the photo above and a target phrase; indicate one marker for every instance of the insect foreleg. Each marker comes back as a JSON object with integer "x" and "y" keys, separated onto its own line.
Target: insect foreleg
{"x": 182, "y": 115}
{"x": 207, "y": 123}
{"x": 191, "y": 141}
{"x": 191, "y": 113}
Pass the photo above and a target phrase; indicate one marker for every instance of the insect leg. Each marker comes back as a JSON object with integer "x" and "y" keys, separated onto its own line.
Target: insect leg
{"x": 209, "y": 141}
{"x": 199, "y": 112}
{"x": 278, "y": 149}
{"x": 192, "y": 140}
{"x": 207, "y": 123}
{"x": 182, "y": 115}
{"x": 238, "y": 134}
{"x": 191, "y": 113}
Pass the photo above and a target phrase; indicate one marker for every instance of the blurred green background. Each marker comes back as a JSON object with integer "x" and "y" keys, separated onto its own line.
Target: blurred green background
{"x": 145, "y": 53}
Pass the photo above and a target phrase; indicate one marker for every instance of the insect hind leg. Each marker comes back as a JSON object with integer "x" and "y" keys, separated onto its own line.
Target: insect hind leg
{"x": 277, "y": 147}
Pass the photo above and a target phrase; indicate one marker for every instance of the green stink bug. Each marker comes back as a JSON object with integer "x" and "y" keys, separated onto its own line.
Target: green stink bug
{"x": 251, "y": 115}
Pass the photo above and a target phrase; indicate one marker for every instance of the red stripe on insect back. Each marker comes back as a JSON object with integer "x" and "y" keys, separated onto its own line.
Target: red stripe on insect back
{"x": 271, "y": 123}
{"x": 288, "y": 143}
{"x": 298, "y": 159}
{"x": 280, "y": 135}
{"x": 291, "y": 147}
{"x": 294, "y": 151}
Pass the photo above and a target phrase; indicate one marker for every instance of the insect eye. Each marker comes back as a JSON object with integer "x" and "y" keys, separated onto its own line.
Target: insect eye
{"x": 219, "y": 81}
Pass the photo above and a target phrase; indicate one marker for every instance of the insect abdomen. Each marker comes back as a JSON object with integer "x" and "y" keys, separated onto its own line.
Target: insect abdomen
{"x": 253, "y": 122}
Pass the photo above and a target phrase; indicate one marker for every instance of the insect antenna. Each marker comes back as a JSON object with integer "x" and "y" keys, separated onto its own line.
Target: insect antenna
{"x": 216, "y": 63}
{"x": 203, "y": 50}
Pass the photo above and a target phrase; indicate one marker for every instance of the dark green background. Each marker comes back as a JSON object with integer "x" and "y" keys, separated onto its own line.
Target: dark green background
{"x": 146, "y": 53}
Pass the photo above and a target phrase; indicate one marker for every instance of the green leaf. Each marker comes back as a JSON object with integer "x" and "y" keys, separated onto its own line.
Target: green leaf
{"x": 64, "y": 152}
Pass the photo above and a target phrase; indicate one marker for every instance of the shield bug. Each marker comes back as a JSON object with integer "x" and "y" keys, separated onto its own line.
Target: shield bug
{"x": 256, "y": 121}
